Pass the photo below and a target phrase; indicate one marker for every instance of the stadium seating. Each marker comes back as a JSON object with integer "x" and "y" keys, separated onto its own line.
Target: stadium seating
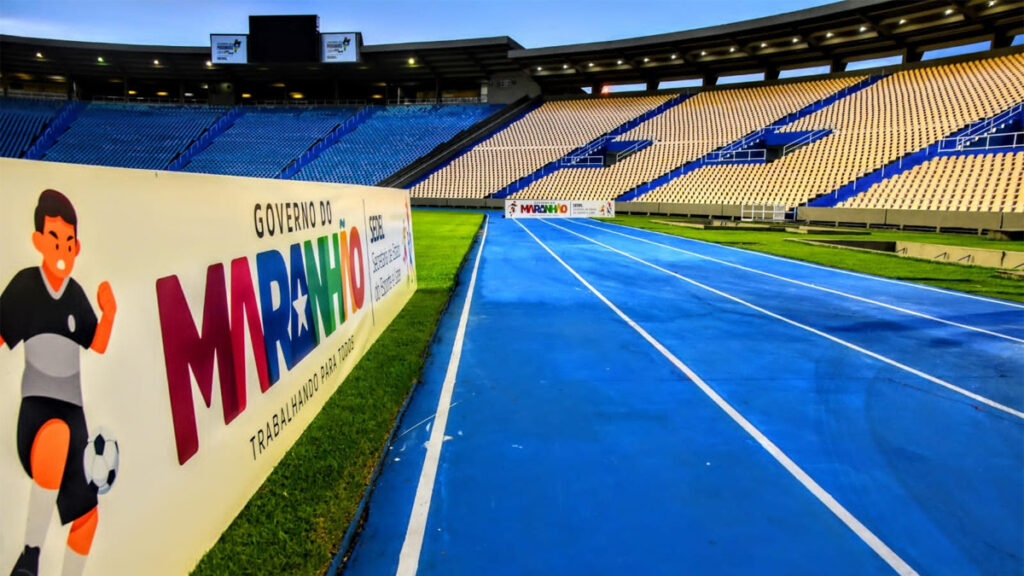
{"x": 131, "y": 135}
{"x": 542, "y": 136}
{"x": 965, "y": 182}
{"x": 263, "y": 141}
{"x": 683, "y": 134}
{"x": 21, "y": 121}
{"x": 389, "y": 140}
{"x": 899, "y": 115}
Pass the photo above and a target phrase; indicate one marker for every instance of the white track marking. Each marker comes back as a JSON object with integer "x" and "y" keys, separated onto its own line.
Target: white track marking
{"x": 850, "y": 345}
{"x": 409, "y": 560}
{"x": 839, "y": 270}
{"x": 844, "y": 515}
{"x": 808, "y": 285}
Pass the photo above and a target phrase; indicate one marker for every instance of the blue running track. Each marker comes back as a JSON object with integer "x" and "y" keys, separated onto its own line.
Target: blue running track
{"x": 626, "y": 402}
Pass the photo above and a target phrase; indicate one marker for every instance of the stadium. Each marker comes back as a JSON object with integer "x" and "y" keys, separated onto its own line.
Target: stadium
{"x": 742, "y": 299}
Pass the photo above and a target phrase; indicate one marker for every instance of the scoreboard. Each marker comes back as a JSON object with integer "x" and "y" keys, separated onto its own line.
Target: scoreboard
{"x": 285, "y": 40}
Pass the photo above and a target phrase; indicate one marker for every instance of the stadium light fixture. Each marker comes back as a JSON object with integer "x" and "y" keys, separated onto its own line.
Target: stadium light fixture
{"x": 132, "y": 92}
{"x": 156, "y": 62}
{"x": 100, "y": 59}
{"x": 590, "y": 64}
{"x": 764, "y": 45}
{"x": 539, "y": 69}
{"x": 732, "y": 49}
{"x": 673, "y": 57}
{"x": 161, "y": 93}
{"x": 948, "y": 11}
{"x": 565, "y": 66}
{"x": 189, "y": 94}
{"x": 39, "y": 54}
{"x": 703, "y": 53}
{"x": 903, "y": 21}
{"x": 209, "y": 64}
{"x": 991, "y": 3}
{"x": 412, "y": 61}
{"x": 646, "y": 60}
{"x": 619, "y": 62}
{"x": 829, "y": 34}
{"x": 795, "y": 40}
{"x": 863, "y": 29}
{"x": 246, "y": 95}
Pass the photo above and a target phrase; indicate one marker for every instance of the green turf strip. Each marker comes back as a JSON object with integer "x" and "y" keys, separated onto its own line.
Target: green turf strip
{"x": 297, "y": 518}
{"x": 973, "y": 279}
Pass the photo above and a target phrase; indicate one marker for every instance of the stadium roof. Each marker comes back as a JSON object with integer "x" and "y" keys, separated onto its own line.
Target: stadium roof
{"x": 834, "y": 35}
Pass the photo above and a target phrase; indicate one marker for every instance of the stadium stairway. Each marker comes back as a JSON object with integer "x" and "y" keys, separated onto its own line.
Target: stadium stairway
{"x": 973, "y": 139}
{"x": 318, "y": 147}
{"x": 580, "y": 155}
{"x": 59, "y": 125}
{"x": 734, "y": 151}
{"x": 444, "y": 154}
{"x": 219, "y": 126}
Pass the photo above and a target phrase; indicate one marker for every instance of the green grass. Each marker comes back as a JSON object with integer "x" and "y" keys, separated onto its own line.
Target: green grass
{"x": 973, "y": 279}
{"x": 297, "y": 518}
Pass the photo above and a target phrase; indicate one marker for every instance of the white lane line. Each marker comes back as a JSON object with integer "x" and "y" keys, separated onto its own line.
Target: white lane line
{"x": 826, "y": 335}
{"x": 844, "y": 515}
{"x": 807, "y": 285}
{"x": 839, "y": 270}
{"x": 409, "y": 559}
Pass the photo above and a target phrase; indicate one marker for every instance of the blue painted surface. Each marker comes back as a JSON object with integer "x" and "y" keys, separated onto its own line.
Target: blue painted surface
{"x": 576, "y": 448}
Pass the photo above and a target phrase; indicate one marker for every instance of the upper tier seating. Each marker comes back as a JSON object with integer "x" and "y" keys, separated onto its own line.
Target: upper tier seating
{"x": 131, "y": 135}
{"x": 21, "y": 121}
{"x": 901, "y": 114}
{"x": 683, "y": 134}
{"x": 389, "y": 140}
{"x": 972, "y": 182}
{"x": 542, "y": 136}
{"x": 263, "y": 141}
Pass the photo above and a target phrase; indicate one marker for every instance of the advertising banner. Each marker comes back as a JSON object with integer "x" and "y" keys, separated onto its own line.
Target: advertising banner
{"x": 229, "y": 48}
{"x": 339, "y": 47}
{"x": 559, "y": 209}
{"x": 164, "y": 339}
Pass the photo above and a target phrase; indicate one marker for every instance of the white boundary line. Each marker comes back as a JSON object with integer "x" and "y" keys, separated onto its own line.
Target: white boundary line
{"x": 850, "y": 345}
{"x": 868, "y": 537}
{"x": 840, "y": 270}
{"x": 807, "y": 285}
{"x": 409, "y": 559}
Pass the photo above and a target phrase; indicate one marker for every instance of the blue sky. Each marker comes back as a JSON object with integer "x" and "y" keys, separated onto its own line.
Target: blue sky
{"x": 533, "y": 23}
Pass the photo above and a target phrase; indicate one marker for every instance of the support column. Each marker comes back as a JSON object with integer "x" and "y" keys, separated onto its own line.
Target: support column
{"x": 912, "y": 55}
{"x": 771, "y": 74}
{"x": 710, "y": 79}
{"x": 652, "y": 85}
{"x": 837, "y": 66}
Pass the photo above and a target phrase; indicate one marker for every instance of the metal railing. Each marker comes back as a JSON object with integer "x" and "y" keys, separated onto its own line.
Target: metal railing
{"x": 805, "y": 139}
{"x": 726, "y": 156}
{"x": 982, "y": 142}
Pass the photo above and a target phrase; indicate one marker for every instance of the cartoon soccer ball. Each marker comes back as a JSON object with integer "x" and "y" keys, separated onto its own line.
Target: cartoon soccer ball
{"x": 101, "y": 457}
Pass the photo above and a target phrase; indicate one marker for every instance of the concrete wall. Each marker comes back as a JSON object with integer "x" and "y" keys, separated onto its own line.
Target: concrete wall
{"x": 917, "y": 218}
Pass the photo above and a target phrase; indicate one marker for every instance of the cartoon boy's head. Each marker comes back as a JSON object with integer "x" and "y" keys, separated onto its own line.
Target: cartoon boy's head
{"x": 56, "y": 235}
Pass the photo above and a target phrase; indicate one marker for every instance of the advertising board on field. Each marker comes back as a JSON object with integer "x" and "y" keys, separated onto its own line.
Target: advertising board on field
{"x": 559, "y": 209}
{"x": 196, "y": 324}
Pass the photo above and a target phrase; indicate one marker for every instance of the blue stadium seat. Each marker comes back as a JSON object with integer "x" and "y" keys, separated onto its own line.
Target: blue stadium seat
{"x": 263, "y": 141}
{"x": 21, "y": 121}
{"x": 132, "y": 135}
{"x": 390, "y": 140}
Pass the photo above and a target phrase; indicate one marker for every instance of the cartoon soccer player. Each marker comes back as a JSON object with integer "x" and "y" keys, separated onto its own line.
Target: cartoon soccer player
{"x": 47, "y": 310}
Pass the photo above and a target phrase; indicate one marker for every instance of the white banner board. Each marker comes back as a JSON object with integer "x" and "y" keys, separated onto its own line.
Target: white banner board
{"x": 229, "y": 48}
{"x": 559, "y": 209}
{"x": 339, "y": 47}
{"x": 199, "y": 321}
